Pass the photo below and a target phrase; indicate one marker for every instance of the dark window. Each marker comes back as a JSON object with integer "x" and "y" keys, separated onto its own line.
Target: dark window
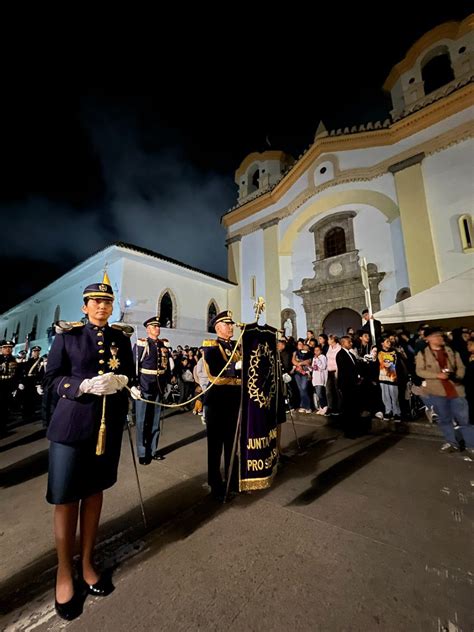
{"x": 467, "y": 232}
{"x": 412, "y": 80}
{"x": 57, "y": 314}
{"x": 335, "y": 242}
{"x": 166, "y": 311}
{"x": 323, "y": 170}
{"x": 34, "y": 328}
{"x": 211, "y": 313}
{"x": 437, "y": 72}
{"x": 5, "y": 334}
{"x": 462, "y": 50}
{"x": 255, "y": 179}
{"x": 402, "y": 294}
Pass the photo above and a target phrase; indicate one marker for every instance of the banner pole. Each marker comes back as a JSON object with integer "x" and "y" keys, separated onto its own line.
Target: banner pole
{"x": 288, "y": 405}
{"x": 234, "y": 452}
{"x": 237, "y": 432}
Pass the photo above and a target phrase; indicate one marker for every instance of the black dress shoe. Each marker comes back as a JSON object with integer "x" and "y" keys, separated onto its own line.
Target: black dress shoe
{"x": 144, "y": 460}
{"x": 158, "y": 457}
{"x": 102, "y": 588}
{"x": 72, "y": 608}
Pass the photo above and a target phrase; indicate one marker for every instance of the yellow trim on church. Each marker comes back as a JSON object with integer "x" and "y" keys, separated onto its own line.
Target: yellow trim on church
{"x": 257, "y": 156}
{"x": 405, "y": 128}
{"x": 331, "y": 201}
{"x": 448, "y": 30}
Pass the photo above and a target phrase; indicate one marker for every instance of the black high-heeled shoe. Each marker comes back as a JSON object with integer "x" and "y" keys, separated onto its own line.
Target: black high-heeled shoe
{"x": 101, "y": 588}
{"x": 72, "y": 608}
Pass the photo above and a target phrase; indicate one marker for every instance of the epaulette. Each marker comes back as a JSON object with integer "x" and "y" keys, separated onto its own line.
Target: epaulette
{"x": 62, "y": 326}
{"x": 141, "y": 342}
{"x": 127, "y": 330}
{"x": 210, "y": 343}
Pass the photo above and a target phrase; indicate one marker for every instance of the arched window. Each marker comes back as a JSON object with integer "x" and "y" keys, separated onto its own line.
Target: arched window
{"x": 256, "y": 179}
{"x": 212, "y": 310}
{"x": 57, "y": 314}
{"x": 402, "y": 294}
{"x": 335, "y": 242}
{"x": 437, "y": 71}
{"x": 465, "y": 230}
{"x": 253, "y": 180}
{"x": 34, "y": 328}
{"x": 166, "y": 310}
{"x": 253, "y": 287}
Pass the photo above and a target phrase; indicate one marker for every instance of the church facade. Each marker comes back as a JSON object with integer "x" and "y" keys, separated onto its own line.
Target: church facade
{"x": 397, "y": 193}
{"x": 145, "y": 284}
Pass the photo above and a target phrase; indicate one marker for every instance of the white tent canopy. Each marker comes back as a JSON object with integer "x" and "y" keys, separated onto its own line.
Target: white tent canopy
{"x": 453, "y": 298}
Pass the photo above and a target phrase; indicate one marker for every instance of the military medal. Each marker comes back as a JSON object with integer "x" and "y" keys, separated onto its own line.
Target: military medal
{"x": 228, "y": 352}
{"x": 114, "y": 362}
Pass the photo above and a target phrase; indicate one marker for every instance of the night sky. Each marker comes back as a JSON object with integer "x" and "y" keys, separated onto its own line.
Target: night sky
{"x": 133, "y": 133}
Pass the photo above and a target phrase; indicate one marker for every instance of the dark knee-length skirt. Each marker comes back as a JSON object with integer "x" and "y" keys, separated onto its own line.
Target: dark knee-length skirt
{"x": 76, "y": 472}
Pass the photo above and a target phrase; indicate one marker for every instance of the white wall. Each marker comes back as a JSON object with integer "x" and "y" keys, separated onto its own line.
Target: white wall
{"x": 302, "y": 260}
{"x": 143, "y": 283}
{"x": 378, "y": 241}
{"x": 252, "y": 257}
{"x": 448, "y": 178}
{"x": 138, "y": 278}
{"x": 65, "y": 292}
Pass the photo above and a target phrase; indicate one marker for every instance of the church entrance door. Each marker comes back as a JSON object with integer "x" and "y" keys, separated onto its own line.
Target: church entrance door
{"x": 337, "y": 321}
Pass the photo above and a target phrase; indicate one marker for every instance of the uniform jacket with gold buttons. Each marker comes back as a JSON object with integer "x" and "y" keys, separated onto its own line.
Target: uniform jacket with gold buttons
{"x": 216, "y": 355}
{"x": 81, "y": 353}
{"x": 151, "y": 359}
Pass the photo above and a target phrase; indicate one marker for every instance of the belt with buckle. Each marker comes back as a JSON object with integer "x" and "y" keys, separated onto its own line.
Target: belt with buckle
{"x": 153, "y": 371}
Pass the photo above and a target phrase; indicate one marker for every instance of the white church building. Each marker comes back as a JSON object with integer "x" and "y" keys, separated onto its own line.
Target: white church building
{"x": 397, "y": 193}
{"x": 144, "y": 283}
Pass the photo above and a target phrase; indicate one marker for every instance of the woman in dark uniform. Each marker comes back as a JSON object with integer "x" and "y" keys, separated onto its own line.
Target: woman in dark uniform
{"x": 88, "y": 367}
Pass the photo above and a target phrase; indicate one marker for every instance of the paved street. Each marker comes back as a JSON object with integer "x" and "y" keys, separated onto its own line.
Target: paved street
{"x": 369, "y": 534}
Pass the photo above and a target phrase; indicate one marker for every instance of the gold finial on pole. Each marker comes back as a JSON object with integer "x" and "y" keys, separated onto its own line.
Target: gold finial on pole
{"x": 259, "y": 307}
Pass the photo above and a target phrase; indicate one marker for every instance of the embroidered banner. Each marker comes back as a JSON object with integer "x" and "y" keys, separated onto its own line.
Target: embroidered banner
{"x": 262, "y": 407}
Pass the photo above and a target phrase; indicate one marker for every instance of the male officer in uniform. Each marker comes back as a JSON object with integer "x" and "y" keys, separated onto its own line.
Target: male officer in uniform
{"x": 9, "y": 370}
{"x": 152, "y": 366}
{"x": 222, "y": 402}
{"x": 32, "y": 373}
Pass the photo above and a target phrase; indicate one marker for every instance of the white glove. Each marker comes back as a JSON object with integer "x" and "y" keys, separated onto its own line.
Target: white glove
{"x": 21, "y": 387}
{"x": 39, "y": 389}
{"x": 286, "y": 378}
{"x": 99, "y": 385}
{"x": 135, "y": 391}
{"x": 121, "y": 381}
{"x": 238, "y": 365}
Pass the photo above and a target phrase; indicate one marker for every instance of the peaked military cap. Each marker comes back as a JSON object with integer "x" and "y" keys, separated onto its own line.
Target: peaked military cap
{"x": 7, "y": 343}
{"x": 222, "y": 317}
{"x": 154, "y": 320}
{"x": 36, "y": 348}
{"x": 99, "y": 290}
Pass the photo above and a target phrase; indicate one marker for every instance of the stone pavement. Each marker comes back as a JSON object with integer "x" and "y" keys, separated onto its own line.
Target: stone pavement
{"x": 368, "y": 534}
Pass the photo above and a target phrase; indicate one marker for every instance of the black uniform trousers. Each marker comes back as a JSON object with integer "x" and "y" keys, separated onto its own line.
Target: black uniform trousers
{"x": 222, "y": 415}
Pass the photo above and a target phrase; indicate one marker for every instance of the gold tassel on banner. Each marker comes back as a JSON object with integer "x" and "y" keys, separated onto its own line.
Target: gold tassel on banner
{"x": 100, "y": 447}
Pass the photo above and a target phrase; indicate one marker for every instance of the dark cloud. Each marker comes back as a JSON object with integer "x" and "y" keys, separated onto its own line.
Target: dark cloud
{"x": 152, "y": 197}
{"x": 155, "y": 197}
